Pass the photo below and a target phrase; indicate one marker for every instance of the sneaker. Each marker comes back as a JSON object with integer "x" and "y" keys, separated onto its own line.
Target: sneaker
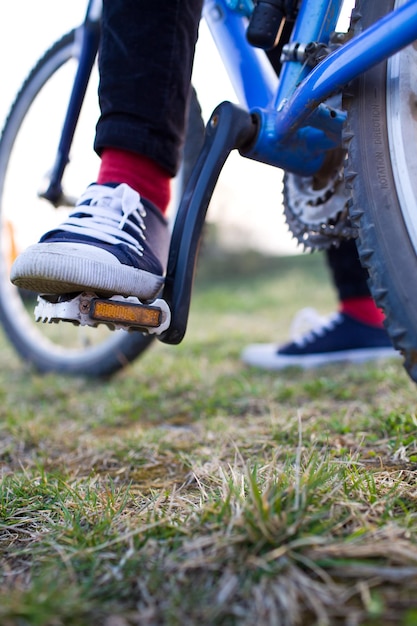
{"x": 114, "y": 243}
{"x": 334, "y": 339}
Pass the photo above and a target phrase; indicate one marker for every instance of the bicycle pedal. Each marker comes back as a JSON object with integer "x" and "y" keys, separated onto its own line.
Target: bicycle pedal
{"x": 117, "y": 312}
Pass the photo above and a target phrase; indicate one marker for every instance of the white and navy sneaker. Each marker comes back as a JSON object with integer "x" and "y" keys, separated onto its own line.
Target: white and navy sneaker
{"x": 113, "y": 243}
{"x": 338, "y": 338}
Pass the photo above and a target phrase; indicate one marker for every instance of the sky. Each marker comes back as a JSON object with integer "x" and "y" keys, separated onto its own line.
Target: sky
{"x": 247, "y": 202}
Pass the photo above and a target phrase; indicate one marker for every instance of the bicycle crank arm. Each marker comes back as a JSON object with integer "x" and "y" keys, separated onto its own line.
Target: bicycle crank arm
{"x": 229, "y": 128}
{"x": 117, "y": 312}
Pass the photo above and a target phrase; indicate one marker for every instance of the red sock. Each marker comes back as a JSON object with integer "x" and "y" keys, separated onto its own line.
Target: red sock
{"x": 141, "y": 173}
{"x": 364, "y": 310}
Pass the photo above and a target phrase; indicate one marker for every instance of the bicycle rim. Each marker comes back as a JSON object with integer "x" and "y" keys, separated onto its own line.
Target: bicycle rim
{"x": 402, "y": 131}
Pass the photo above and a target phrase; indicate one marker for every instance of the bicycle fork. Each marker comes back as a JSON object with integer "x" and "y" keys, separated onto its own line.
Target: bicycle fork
{"x": 229, "y": 128}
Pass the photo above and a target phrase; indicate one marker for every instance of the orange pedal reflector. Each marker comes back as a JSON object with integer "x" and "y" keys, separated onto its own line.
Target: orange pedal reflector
{"x": 125, "y": 313}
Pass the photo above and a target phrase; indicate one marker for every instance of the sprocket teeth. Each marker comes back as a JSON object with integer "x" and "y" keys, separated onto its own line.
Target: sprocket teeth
{"x": 323, "y": 223}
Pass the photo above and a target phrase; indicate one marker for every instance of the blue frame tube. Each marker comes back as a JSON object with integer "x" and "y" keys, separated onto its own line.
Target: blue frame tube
{"x": 250, "y": 72}
{"x": 90, "y": 37}
{"x": 315, "y": 22}
{"x": 295, "y": 136}
{"x": 383, "y": 39}
{"x": 248, "y": 68}
{"x": 255, "y": 81}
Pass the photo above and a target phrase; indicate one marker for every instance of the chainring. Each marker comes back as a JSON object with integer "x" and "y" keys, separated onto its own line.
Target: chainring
{"x": 316, "y": 207}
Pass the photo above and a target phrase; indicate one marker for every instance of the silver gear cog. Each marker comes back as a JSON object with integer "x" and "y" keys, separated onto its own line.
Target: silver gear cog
{"x": 316, "y": 207}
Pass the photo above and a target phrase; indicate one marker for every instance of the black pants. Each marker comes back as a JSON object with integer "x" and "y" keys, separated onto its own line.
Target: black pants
{"x": 349, "y": 277}
{"x": 145, "y": 62}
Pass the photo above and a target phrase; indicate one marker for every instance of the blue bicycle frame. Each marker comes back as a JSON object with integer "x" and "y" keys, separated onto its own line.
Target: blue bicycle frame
{"x": 295, "y": 128}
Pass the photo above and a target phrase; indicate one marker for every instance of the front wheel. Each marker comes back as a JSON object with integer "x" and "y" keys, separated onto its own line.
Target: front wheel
{"x": 381, "y": 138}
{"x": 28, "y": 147}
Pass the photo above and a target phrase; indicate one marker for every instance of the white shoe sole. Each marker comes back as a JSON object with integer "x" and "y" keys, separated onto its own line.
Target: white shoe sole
{"x": 57, "y": 268}
{"x": 265, "y": 356}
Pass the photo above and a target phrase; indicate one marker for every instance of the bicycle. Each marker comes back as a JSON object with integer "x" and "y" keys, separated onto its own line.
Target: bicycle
{"x": 337, "y": 95}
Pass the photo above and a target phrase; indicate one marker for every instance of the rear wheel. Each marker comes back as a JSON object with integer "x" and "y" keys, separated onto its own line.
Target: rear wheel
{"x": 381, "y": 137}
{"x": 28, "y": 146}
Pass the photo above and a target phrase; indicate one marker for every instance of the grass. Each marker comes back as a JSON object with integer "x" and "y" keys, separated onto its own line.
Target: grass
{"x": 190, "y": 489}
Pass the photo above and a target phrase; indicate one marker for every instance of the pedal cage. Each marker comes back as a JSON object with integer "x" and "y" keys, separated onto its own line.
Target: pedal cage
{"x": 117, "y": 312}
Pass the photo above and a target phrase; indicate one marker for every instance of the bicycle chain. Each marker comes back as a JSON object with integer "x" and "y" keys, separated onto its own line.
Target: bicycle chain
{"x": 316, "y": 207}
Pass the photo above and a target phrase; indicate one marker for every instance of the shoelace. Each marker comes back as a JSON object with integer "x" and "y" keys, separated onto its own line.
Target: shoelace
{"x": 108, "y": 214}
{"x": 308, "y": 324}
